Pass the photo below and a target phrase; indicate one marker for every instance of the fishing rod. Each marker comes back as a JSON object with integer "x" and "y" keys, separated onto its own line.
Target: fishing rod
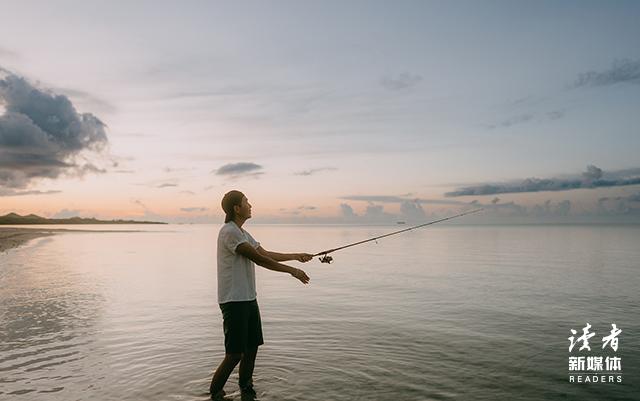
{"x": 324, "y": 255}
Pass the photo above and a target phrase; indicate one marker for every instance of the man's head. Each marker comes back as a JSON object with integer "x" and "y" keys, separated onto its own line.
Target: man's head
{"x": 235, "y": 204}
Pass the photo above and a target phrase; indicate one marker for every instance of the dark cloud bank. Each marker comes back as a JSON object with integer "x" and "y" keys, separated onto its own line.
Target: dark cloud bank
{"x": 42, "y": 135}
{"x": 593, "y": 177}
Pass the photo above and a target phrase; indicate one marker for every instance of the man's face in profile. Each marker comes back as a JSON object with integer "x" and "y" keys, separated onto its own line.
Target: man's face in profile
{"x": 244, "y": 209}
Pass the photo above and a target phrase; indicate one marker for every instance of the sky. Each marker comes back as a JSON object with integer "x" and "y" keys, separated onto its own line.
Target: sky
{"x": 321, "y": 112}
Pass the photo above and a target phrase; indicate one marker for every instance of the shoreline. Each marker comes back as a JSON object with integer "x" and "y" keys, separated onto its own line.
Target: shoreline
{"x": 13, "y": 237}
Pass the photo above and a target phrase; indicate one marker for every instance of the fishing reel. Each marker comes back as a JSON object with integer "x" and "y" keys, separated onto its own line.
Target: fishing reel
{"x": 326, "y": 259}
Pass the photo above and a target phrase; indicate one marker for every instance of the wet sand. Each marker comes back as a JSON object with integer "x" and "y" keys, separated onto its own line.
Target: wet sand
{"x": 11, "y": 237}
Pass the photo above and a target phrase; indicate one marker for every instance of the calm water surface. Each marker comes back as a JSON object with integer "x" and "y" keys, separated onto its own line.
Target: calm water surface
{"x": 449, "y": 312}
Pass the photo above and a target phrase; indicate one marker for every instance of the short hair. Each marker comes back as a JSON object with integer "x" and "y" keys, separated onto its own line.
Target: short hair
{"x": 229, "y": 200}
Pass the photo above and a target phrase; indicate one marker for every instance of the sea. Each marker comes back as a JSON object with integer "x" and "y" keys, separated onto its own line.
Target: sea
{"x": 447, "y": 312}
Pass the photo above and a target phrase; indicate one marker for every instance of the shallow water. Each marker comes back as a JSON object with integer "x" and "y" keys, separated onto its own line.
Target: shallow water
{"x": 448, "y": 312}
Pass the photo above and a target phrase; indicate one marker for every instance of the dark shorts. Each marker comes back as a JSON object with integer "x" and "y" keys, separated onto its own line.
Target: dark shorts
{"x": 242, "y": 326}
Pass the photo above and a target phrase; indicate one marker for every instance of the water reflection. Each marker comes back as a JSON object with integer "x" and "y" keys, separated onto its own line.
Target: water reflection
{"x": 450, "y": 313}
{"x": 47, "y": 321}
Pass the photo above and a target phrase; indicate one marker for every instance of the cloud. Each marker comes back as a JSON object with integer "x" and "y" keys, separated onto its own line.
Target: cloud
{"x": 373, "y": 214}
{"x": 374, "y": 198}
{"x": 314, "y": 170}
{"x": 298, "y": 211}
{"x": 412, "y": 210}
{"x": 522, "y": 118}
{"x": 563, "y": 207}
{"x": 622, "y": 71}
{"x": 347, "y": 211}
{"x": 291, "y": 212}
{"x": 376, "y": 213}
{"x": 592, "y": 173}
{"x": 508, "y": 209}
{"x": 528, "y": 117}
{"x": 194, "y": 209}
{"x": 12, "y": 192}
{"x": 242, "y": 169}
{"x": 162, "y": 183}
{"x": 88, "y": 99}
{"x": 140, "y": 203}
{"x": 548, "y": 209}
{"x": 594, "y": 177}
{"x": 631, "y": 198}
{"x": 400, "y": 82}
{"x": 66, "y": 213}
{"x": 148, "y": 213}
{"x": 619, "y": 205}
{"x": 400, "y": 199}
{"x": 42, "y": 135}
{"x": 555, "y": 114}
{"x": 621, "y": 174}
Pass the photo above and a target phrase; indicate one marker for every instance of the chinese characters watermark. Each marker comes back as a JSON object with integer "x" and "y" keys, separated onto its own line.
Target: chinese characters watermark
{"x": 594, "y": 368}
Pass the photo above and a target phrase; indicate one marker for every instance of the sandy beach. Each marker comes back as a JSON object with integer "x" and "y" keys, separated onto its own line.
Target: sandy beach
{"x": 11, "y": 237}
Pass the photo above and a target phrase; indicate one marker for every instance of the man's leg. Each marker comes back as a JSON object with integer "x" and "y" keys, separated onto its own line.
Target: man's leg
{"x": 235, "y": 323}
{"x": 247, "y": 363}
{"x": 254, "y": 340}
{"x": 221, "y": 375}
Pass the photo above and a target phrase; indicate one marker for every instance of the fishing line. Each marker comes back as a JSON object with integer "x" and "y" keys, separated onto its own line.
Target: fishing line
{"x": 324, "y": 255}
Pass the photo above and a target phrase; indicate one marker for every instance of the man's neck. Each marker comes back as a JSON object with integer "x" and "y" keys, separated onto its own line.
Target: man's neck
{"x": 239, "y": 222}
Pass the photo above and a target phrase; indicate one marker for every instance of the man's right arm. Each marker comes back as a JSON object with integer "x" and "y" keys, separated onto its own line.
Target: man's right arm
{"x": 246, "y": 250}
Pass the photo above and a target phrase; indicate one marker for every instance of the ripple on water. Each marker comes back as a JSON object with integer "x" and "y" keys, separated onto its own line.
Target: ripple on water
{"x": 446, "y": 314}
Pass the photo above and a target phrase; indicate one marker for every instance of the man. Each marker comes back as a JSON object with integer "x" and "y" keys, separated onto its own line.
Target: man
{"x": 237, "y": 253}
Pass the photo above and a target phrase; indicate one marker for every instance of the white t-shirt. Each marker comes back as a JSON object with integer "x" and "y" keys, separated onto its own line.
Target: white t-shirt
{"x": 236, "y": 273}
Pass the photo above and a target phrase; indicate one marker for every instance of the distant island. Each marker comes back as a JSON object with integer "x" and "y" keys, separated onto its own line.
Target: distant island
{"x": 13, "y": 218}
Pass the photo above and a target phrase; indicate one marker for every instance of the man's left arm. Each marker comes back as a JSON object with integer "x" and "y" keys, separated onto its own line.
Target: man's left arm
{"x": 283, "y": 257}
